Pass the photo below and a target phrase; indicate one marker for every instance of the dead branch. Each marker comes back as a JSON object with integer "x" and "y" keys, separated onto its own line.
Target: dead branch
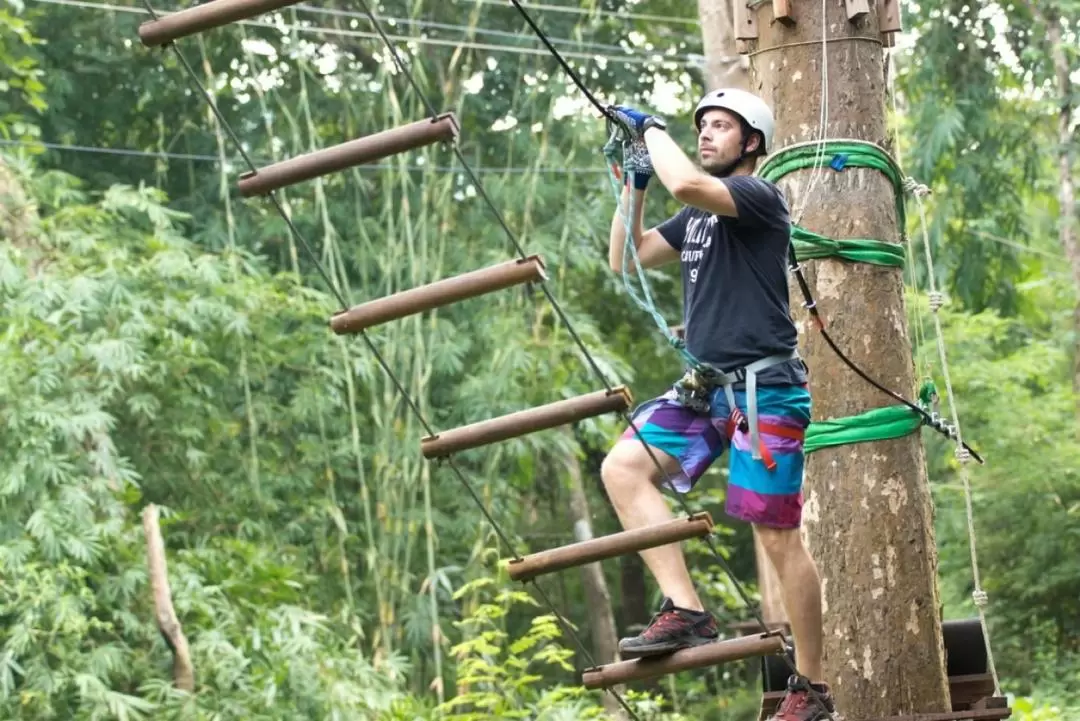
{"x": 168, "y": 623}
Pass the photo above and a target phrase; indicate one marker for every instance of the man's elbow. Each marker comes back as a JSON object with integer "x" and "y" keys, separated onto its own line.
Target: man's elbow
{"x": 685, "y": 189}
{"x": 705, "y": 193}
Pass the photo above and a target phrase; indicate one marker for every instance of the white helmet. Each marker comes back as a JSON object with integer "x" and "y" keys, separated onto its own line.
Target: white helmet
{"x": 746, "y": 105}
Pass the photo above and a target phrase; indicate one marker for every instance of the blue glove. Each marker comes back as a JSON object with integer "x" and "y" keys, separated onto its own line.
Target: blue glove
{"x": 636, "y": 161}
{"x": 633, "y": 121}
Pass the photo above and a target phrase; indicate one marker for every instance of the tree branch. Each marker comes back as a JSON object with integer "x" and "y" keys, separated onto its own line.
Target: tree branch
{"x": 168, "y": 624}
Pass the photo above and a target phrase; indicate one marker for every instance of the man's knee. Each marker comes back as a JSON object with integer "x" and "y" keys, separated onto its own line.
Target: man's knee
{"x": 622, "y": 468}
{"x": 629, "y": 465}
{"x": 780, "y": 544}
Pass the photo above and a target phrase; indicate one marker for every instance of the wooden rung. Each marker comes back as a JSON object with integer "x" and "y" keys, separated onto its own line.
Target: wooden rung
{"x": 782, "y": 12}
{"x": 992, "y": 708}
{"x": 616, "y": 544}
{"x": 889, "y": 16}
{"x": 745, "y": 21}
{"x": 711, "y": 654}
{"x": 207, "y": 16}
{"x": 986, "y": 714}
{"x": 354, "y": 152}
{"x": 856, "y": 9}
{"x": 527, "y": 421}
{"x": 440, "y": 293}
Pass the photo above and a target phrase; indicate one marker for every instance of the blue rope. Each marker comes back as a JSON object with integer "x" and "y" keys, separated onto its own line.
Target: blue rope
{"x": 644, "y": 300}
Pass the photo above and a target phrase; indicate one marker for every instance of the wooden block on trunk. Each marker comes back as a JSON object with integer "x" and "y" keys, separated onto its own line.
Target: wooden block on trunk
{"x": 745, "y": 22}
{"x": 782, "y": 12}
{"x": 889, "y": 16}
{"x": 856, "y": 9}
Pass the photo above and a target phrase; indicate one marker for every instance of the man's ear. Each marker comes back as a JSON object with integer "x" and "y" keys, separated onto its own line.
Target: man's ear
{"x": 752, "y": 144}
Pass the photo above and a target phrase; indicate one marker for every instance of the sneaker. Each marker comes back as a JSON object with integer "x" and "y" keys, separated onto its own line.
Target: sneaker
{"x": 671, "y": 629}
{"x": 800, "y": 705}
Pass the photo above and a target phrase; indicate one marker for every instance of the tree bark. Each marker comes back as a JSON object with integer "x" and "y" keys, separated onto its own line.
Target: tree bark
{"x": 724, "y": 68}
{"x": 605, "y": 639}
{"x": 868, "y": 513}
{"x": 168, "y": 623}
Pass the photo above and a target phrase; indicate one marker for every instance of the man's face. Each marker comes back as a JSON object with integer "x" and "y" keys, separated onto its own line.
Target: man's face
{"x": 720, "y": 140}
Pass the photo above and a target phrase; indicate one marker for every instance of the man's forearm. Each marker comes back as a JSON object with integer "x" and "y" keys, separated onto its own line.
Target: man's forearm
{"x": 670, "y": 164}
{"x": 618, "y": 226}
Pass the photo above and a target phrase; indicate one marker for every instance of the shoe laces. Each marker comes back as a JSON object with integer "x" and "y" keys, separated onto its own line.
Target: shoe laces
{"x": 794, "y": 701}
{"x": 666, "y": 621}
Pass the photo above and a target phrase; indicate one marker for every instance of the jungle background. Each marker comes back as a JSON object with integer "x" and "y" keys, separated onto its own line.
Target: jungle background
{"x": 165, "y": 341}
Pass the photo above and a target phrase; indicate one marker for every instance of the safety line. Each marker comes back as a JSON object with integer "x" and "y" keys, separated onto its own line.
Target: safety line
{"x": 385, "y": 366}
{"x": 167, "y": 155}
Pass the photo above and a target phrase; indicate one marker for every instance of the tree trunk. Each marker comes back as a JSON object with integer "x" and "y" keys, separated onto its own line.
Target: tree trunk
{"x": 868, "y": 514}
{"x": 605, "y": 639}
{"x": 724, "y": 68}
{"x": 1066, "y": 197}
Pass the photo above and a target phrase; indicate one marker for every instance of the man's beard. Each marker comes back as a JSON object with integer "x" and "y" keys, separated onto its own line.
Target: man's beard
{"x": 717, "y": 168}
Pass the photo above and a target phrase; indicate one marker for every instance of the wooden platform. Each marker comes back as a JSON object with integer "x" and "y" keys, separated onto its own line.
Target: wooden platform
{"x": 971, "y": 695}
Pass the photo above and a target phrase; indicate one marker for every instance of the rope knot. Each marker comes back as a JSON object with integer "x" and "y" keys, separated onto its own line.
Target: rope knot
{"x": 937, "y": 299}
{"x": 963, "y": 455}
{"x": 915, "y": 187}
{"x": 980, "y": 598}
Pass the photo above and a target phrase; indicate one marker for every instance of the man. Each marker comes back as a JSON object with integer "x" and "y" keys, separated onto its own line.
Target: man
{"x": 732, "y": 239}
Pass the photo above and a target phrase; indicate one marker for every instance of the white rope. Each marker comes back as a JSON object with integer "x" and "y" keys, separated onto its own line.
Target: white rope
{"x": 817, "y": 171}
{"x": 978, "y": 596}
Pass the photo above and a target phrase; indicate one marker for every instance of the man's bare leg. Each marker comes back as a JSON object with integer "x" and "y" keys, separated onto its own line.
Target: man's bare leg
{"x": 631, "y": 479}
{"x": 801, "y": 591}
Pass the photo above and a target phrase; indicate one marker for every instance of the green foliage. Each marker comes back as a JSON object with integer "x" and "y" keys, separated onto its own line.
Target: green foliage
{"x": 21, "y": 89}
{"x": 169, "y": 345}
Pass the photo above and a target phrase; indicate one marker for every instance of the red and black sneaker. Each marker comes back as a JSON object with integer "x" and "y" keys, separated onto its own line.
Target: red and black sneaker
{"x": 671, "y": 629}
{"x": 801, "y": 705}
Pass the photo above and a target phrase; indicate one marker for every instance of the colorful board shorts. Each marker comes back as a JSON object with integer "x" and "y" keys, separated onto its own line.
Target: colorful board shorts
{"x": 755, "y": 493}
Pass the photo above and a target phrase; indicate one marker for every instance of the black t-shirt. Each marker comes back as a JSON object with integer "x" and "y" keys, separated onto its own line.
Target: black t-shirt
{"x": 735, "y": 288}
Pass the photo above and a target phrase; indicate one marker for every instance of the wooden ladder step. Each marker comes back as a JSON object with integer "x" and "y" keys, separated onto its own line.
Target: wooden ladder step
{"x": 986, "y": 708}
{"x": 527, "y": 421}
{"x": 999, "y": 711}
{"x": 711, "y": 654}
{"x": 348, "y": 154}
{"x": 438, "y": 294}
{"x": 616, "y": 544}
{"x": 200, "y": 18}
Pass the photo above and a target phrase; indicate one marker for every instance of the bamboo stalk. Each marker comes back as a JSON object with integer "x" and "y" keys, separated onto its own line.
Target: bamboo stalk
{"x": 230, "y": 236}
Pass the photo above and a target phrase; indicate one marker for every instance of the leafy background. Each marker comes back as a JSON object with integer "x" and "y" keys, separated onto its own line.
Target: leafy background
{"x": 165, "y": 341}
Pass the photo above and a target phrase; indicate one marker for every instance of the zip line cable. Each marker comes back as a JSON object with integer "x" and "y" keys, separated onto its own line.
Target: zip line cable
{"x": 688, "y": 61}
{"x": 165, "y": 155}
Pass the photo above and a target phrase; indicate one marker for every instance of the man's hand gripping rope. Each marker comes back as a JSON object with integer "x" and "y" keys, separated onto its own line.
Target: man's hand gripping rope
{"x": 627, "y": 130}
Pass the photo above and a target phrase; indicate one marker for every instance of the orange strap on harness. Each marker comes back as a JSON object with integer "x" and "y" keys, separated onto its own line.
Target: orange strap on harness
{"x": 737, "y": 421}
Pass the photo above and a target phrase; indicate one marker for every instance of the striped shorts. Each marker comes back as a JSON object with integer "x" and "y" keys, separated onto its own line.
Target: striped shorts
{"x": 755, "y": 494}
